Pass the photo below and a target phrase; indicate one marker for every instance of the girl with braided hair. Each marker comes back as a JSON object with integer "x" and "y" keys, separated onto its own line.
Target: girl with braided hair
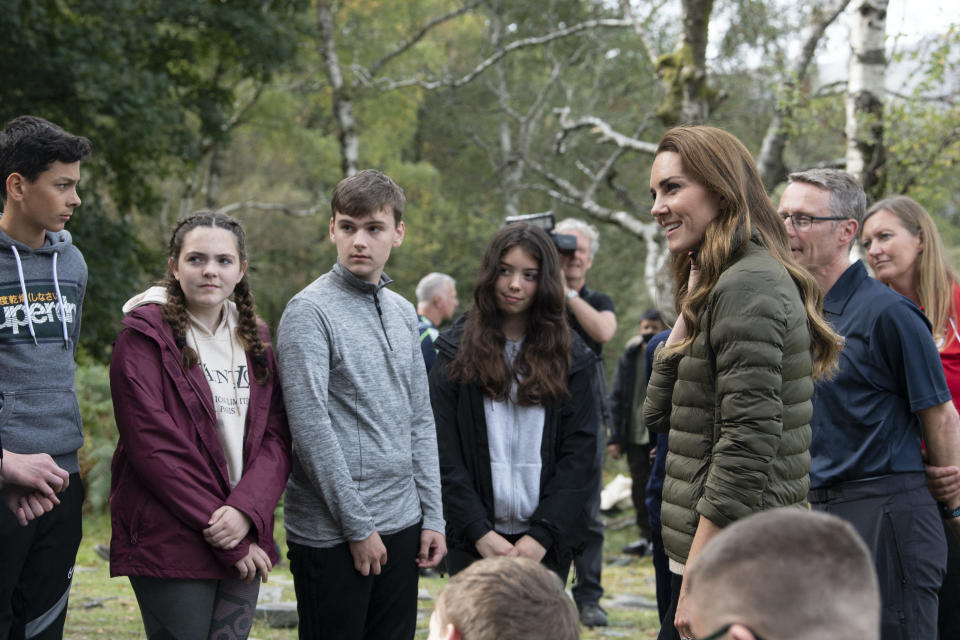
{"x": 204, "y": 449}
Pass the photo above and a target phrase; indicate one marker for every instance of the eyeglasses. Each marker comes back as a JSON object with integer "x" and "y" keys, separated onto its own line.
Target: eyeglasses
{"x": 802, "y": 221}
{"x": 716, "y": 635}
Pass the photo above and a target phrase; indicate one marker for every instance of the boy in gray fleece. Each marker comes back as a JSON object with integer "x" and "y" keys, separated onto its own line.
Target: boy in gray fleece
{"x": 362, "y": 508}
{"x": 42, "y": 281}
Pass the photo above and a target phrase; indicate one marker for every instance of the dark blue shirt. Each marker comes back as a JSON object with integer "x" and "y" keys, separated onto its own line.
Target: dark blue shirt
{"x": 428, "y": 333}
{"x": 658, "y": 470}
{"x": 864, "y": 419}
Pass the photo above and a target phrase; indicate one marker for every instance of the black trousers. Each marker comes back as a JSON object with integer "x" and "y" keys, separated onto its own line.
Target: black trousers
{"x": 638, "y": 459}
{"x": 588, "y": 564}
{"x": 899, "y": 521}
{"x": 661, "y": 568}
{"x": 949, "y": 621}
{"x": 335, "y": 602}
{"x": 36, "y": 567}
{"x": 667, "y": 630}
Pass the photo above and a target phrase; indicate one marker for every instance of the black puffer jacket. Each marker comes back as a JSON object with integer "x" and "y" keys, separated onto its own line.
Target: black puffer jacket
{"x": 568, "y": 453}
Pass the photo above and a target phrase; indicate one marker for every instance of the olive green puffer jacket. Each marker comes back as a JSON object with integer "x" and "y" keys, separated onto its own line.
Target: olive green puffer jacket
{"x": 736, "y": 403}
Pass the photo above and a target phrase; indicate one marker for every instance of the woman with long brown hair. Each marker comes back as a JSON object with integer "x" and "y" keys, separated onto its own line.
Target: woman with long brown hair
{"x": 733, "y": 382}
{"x": 513, "y": 394}
{"x": 906, "y": 253}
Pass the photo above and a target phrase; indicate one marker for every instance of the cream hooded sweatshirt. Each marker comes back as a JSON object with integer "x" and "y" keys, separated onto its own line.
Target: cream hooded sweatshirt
{"x": 224, "y": 365}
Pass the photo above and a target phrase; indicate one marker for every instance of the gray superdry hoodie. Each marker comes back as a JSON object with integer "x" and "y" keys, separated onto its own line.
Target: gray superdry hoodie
{"x": 358, "y": 404}
{"x": 38, "y": 338}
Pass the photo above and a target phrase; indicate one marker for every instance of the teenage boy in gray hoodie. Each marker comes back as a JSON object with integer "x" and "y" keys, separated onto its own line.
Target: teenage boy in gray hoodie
{"x": 42, "y": 282}
{"x": 362, "y": 508}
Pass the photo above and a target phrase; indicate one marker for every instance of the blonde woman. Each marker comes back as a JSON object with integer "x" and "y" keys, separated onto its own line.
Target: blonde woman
{"x": 904, "y": 250}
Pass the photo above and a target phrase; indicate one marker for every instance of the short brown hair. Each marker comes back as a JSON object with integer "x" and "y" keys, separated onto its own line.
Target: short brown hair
{"x": 514, "y": 598}
{"x": 365, "y": 193}
{"x": 787, "y": 573}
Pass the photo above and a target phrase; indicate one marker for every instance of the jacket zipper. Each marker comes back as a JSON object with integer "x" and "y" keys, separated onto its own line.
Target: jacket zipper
{"x": 376, "y": 301}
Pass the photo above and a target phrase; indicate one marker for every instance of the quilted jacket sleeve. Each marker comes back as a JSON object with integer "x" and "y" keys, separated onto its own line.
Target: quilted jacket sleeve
{"x": 748, "y": 415}
{"x": 659, "y": 401}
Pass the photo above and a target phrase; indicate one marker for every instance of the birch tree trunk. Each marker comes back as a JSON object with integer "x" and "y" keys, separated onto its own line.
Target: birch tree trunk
{"x": 342, "y": 101}
{"x": 864, "y": 98}
{"x": 510, "y": 169}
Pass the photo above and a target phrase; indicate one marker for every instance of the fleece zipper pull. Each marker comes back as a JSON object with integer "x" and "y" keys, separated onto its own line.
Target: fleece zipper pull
{"x": 376, "y": 301}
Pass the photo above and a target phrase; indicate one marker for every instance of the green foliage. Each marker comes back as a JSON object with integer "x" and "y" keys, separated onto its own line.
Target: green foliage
{"x": 923, "y": 131}
{"x": 112, "y": 274}
{"x": 152, "y": 84}
{"x": 167, "y": 88}
{"x": 100, "y": 433}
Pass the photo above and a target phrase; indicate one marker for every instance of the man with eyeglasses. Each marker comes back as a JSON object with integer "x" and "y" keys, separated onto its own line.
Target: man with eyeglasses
{"x": 868, "y": 420}
{"x": 785, "y": 573}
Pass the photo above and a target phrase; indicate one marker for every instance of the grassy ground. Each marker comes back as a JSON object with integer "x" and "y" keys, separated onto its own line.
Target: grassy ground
{"x": 101, "y": 607}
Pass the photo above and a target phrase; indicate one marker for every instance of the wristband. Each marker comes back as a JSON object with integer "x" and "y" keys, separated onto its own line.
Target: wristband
{"x": 572, "y": 293}
{"x": 947, "y": 513}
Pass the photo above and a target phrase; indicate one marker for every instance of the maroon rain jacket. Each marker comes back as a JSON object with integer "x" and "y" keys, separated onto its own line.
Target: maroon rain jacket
{"x": 169, "y": 469}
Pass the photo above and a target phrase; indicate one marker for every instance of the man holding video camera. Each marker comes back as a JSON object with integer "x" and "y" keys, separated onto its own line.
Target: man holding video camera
{"x": 591, "y": 314}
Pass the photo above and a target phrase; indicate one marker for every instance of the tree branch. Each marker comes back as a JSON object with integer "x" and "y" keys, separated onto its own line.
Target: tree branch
{"x": 290, "y": 210}
{"x": 640, "y": 30}
{"x": 770, "y": 161}
{"x": 419, "y": 81}
{"x": 419, "y": 35}
{"x": 920, "y": 166}
{"x": 601, "y": 128}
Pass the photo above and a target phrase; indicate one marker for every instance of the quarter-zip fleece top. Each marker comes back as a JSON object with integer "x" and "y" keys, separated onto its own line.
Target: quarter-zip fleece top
{"x": 41, "y": 293}
{"x": 355, "y": 388}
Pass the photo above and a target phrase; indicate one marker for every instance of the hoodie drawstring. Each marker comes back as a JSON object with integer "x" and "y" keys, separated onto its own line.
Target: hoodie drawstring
{"x": 26, "y": 301}
{"x": 23, "y": 291}
{"x": 63, "y": 310}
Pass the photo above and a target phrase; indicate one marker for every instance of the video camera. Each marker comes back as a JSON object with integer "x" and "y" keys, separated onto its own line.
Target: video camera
{"x": 564, "y": 242}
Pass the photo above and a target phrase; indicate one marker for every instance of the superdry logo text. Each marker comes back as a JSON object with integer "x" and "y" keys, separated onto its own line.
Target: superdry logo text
{"x": 43, "y": 308}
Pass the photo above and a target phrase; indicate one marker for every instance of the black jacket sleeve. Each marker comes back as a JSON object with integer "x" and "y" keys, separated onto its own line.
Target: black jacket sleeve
{"x": 564, "y": 495}
{"x": 620, "y": 401}
{"x": 463, "y": 507}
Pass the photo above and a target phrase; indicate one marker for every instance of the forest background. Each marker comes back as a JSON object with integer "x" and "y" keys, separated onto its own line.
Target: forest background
{"x": 479, "y": 109}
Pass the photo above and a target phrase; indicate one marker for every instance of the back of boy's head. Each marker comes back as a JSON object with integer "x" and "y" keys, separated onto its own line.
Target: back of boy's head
{"x": 367, "y": 192}
{"x": 514, "y": 598}
{"x": 787, "y": 573}
{"x": 30, "y": 145}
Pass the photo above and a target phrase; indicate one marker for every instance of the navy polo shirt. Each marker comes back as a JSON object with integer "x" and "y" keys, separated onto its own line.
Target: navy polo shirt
{"x": 864, "y": 419}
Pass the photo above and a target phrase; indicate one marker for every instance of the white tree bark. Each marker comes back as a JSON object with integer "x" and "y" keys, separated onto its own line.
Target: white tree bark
{"x": 342, "y": 104}
{"x": 865, "y": 90}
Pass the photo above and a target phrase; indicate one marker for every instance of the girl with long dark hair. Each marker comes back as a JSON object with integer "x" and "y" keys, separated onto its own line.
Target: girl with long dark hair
{"x": 513, "y": 394}
{"x": 204, "y": 449}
